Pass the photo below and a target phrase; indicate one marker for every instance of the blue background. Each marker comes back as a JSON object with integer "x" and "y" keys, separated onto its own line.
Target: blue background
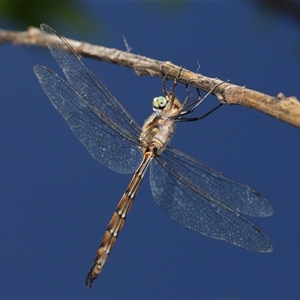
{"x": 56, "y": 200}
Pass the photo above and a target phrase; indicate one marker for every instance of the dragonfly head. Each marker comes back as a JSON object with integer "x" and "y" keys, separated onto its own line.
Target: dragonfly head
{"x": 159, "y": 103}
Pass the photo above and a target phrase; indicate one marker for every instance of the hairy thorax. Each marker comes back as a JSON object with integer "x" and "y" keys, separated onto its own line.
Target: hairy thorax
{"x": 159, "y": 127}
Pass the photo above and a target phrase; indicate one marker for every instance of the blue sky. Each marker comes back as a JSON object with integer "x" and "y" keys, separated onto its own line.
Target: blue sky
{"x": 56, "y": 200}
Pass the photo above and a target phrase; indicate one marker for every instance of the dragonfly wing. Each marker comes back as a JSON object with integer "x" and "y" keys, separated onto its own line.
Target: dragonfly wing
{"x": 85, "y": 82}
{"x": 177, "y": 193}
{"x": 118, "y": 151}
{"x": 236, "y": 195}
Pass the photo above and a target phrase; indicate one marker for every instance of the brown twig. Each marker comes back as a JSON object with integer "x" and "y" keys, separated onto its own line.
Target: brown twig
{"x": 286, "y": 109}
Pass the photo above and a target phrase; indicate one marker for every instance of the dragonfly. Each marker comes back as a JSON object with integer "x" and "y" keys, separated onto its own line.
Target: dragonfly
{"x": 190, "y": 192}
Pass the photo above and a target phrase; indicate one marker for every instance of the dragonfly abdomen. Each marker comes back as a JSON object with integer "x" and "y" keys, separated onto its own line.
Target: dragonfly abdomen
{"x": 117, "y": 221}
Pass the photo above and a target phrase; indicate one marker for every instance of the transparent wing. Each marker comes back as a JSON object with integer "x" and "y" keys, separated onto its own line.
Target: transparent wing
{"x": 115, "y": 147}
{"x": 206, "y": 201}
{"x": 236, "y": 195}
{"x": 85, "y": 82}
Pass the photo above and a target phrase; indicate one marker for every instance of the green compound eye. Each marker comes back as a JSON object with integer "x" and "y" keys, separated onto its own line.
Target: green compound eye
{"x": 159, "y": 102}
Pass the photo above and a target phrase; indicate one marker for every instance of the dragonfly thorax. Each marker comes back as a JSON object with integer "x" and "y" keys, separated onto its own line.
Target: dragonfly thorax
{"x": 159, "y": 127}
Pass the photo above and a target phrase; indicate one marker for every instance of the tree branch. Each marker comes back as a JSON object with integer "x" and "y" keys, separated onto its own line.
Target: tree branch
{"x": 286, "y": 109}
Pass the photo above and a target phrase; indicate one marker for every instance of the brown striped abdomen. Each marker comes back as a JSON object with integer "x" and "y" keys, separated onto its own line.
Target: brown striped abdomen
{"x": 117, "y": 221}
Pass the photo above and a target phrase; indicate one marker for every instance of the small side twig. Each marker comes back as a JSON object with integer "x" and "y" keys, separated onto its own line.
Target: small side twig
{"x": 286, "y": 109}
